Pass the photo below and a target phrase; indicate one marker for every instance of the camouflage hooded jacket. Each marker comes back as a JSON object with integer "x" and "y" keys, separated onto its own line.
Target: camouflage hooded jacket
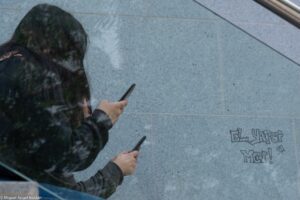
{"x": 42, "y": 130}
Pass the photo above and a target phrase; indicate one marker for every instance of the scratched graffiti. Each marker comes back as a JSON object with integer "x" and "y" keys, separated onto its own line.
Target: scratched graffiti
{"x": 258, "y": 136}
{"x": 251, "y": 156}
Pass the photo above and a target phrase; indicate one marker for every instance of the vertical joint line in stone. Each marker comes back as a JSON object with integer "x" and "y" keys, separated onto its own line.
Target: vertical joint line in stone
{"x": 296, "y": 155}
{"x": 152, "y": 144}
{"x": 221, "y": 67}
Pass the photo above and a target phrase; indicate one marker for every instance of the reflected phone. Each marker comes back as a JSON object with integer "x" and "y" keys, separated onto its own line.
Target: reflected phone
{"x": 128, "y": 92}
{"x": 137, "y": 147}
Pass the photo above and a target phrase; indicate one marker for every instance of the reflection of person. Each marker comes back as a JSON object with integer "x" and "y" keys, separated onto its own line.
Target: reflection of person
{"x": 46, "y": 129}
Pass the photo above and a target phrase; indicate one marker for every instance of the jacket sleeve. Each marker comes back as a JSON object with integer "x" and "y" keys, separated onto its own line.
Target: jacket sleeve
{"x": 103, "y": 183}
{"x": 40, "y": 136}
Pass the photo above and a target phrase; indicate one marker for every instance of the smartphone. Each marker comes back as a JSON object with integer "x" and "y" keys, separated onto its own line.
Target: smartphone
{"x": 139, "y": 144}
{"x": 128, "y": 92}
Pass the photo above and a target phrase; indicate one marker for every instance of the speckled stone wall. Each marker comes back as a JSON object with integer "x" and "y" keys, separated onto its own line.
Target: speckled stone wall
{"x": 220, "y": 109}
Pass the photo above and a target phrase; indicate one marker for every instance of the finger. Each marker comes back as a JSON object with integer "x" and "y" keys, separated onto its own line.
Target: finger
{"x": 86, "y": 112}
{"x": 105, "y": 101}
{"x": 116, "y": 105}
{"x": 133, "y": 161}
{"x": 133, "y": 168}
{"x": 114, "y": 158}
{"x": 102, "y": 104}
{"x": 134, "y": 154}
{"x": 85, "y": 108}
{"x": 119, "y": 112}
{"x": 122, "y": 104}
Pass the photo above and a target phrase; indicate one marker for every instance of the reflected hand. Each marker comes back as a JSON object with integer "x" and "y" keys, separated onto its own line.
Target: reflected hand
{"x": 113, "y": 109}
{"x": 127, "y": 162}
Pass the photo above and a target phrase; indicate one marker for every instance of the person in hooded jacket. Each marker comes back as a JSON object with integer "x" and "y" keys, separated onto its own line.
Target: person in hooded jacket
{"x": 47, "y": 129}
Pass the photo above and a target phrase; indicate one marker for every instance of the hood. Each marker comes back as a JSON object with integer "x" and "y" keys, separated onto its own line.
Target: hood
{"x": 52, "y": 32}
{"x": 57, "y": 36}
